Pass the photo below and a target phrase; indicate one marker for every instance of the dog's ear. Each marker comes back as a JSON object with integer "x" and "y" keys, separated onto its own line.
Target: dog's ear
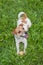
{"x": 21, "y": 25}
{"x": 14, "y": 32}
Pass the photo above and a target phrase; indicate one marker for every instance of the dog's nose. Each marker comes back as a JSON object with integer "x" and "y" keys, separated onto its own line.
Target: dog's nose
{"x": 25, "y": 32}
{"x": 23, "y": 28}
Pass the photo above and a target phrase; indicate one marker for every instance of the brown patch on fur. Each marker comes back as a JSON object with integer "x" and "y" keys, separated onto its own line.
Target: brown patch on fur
{"x": 21, "y": 25}
{"x": 17, "y": 29}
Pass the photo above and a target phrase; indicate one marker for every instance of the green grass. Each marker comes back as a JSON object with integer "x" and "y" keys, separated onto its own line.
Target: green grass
{"x": 9, "y": 10}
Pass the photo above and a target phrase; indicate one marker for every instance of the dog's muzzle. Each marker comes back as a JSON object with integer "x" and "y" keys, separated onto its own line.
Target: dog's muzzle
{"x": 25, "y": 36}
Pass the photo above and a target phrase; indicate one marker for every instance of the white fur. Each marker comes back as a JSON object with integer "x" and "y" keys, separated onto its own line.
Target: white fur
{"x": 19, "y": 15}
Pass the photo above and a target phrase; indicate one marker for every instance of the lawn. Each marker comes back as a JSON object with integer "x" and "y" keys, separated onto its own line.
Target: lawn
{"x": 9, "y": 10}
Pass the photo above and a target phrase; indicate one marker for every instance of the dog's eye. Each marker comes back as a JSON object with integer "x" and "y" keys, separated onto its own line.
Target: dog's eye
{"x": 19, "y": 32}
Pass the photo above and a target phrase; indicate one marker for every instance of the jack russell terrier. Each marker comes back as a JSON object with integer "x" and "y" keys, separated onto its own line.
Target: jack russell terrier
{"x": 20, "y": 33}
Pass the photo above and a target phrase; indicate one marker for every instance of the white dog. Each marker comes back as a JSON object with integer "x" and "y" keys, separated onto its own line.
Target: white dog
{"x": 20, "y": 33}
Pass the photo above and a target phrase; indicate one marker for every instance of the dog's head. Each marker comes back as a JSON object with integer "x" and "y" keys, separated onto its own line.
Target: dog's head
{"x": 19, "y": 30}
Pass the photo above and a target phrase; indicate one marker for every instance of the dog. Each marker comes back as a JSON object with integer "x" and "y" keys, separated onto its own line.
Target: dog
{"x": 20, "y": 33}
{"x": 20, "y": 36}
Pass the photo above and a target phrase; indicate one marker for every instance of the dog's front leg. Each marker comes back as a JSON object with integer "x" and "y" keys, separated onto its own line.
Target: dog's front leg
{"x": 17, "y": 47}
{"x": 25, "y": 45}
